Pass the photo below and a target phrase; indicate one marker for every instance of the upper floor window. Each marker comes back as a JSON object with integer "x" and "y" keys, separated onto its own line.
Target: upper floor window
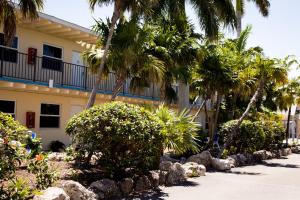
{"x": 52, "y": 57}
{"x": 8, "y": 53}
{"x": 8, "y": 107}
{"x": 50, "y": 116}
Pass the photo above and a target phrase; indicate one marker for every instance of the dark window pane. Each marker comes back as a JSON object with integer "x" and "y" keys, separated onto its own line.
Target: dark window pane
{"x": 7, "y": 106}
{"x": 49, "y": 122}
{"x": 52, "y": 51}
{"x": 8, "y": 55}
{"x": 14, "y": 42}
{"x": 49, "y": 109}
{"x": 51, "y": 63}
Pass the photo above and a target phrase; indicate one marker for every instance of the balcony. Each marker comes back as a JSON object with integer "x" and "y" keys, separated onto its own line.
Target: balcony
{"x": 19, "y": 67}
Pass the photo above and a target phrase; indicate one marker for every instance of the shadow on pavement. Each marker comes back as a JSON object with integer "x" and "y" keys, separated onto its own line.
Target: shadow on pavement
{"x": 280, "y": 165}
{"x": 237, "y": 172}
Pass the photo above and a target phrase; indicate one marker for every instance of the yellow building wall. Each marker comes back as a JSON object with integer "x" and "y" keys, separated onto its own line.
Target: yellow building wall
{"x": 31, "y": 102}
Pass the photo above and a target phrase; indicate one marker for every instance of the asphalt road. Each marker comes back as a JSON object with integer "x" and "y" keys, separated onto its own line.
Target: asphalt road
{"x": 277, "y": 179}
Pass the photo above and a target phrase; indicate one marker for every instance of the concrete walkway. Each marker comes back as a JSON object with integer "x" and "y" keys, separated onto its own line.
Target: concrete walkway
{"x": 274, "y": 180}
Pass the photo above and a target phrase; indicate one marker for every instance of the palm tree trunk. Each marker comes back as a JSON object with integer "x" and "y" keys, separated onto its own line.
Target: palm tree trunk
{"x": 118, "y": 86}
{"x": 214, "y": 126}
{"x": 254, "y": 98}
{"x": 199, "y": 110}
{"x": 183, "y": 95}
{"x": 238, "y": 23}
{"x": 288, "y": 126}
{"x": 114, "y": 19}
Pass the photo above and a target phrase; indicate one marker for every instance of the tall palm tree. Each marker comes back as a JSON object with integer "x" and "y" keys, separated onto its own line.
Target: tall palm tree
{"x": 136, "y": 8}
{"x": 129, "y": 55}
{"x": 263, "y": 6}
{"x": 8, "y": 15}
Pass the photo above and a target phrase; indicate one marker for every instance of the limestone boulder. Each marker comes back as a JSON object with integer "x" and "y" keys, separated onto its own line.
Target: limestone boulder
{"x": 105, "y": 189}
{"x": 220, "y": 164}
{"x": 126, "y": 186}
{"x": 194, "y": 169}
{"x": 52, "y": 193}
{"x": 203, "y": 158}
{"x": 142, "y": 184}
{"x": 76, "y": 191}
{"x": 176, "y": 175}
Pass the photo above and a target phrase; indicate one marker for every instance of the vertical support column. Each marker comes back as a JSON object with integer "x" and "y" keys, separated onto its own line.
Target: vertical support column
{"x": 62, "y": 74}
{"x": 85, "y": 78}
{"x": 2, "y": 62}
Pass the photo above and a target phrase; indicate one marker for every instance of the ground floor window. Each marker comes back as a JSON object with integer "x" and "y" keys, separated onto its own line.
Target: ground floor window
{"x": 8, "y": 107}
{"x": 50, "y": 116}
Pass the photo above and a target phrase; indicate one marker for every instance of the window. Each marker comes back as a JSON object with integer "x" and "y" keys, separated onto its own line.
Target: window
{"x": 52, "y": 58}
{"x": 8, "y": 107}
{"x": 49, "y": 117}
{"x": 8, "y": 53}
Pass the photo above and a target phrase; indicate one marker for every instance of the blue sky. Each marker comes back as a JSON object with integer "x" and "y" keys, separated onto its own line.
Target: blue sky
{"x": 278, "y": 34}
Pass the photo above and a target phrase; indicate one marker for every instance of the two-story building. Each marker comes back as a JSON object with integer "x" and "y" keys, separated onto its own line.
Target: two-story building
{"x": 44, "y": 82}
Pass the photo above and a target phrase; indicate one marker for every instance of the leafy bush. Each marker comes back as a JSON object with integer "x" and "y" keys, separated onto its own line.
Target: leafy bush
{"x": 57, "y": 146}
{"x": 179, "y": 131}
{"x": 45, "y": 177}
{"x": 33, "y": 144}
{"x": 253, "y": 136}
{"x": 126, "y": 136}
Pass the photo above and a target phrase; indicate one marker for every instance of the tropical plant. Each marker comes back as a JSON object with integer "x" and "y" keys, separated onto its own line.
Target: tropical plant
{"x": 8, "y": 15}
{"x": 136, "y": 8}
{"x": 45, "y": 175}
{"x": 126, "y": 136}
{"x": 129, "y": 55}
{"x": 179, "y": 131}
{"x": 263, "y": 5}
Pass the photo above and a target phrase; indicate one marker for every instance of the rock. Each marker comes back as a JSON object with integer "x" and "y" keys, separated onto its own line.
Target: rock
{"x": 277, "y": 153}
{"x": 168, "y": 158}
{"x": 142, "y": 184}
{"x": 286, "y": 151}
{"x": 176, "y": 175}
{"x": 154, "y": 178}
{"x": 57, "y": 156}
{"x": 105, "y": 189}
{"x": 203, "y": 158}
{"x": 52, "y": 193}
{"x": 269, "y": 155}
{"x": 163, "y": 177}
{"x": 295, "y": 149}
{"x": 232, "y": 162}
{"x": 126, "y": 186}
{"x": 182, "y": 160}
{"x": 220, "y": 164}
{"x": 194, "y": 169}
{"x": 242, "y": 160}
{"x": 249, "y": 158}
{"x": 260, "y": 155}
{"x": 165, "y": 165}
{"x": 77, "y": 192}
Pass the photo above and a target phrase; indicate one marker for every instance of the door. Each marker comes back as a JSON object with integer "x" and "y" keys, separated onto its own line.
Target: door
{"x": 78, "y": 70}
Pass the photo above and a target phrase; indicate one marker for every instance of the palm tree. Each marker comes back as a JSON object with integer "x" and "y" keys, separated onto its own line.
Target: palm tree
{"x": 263, "y": 6}
{"x": 8, "y": 16}
{"x": 136, "y": 8}
{"x": 129, "y": 55}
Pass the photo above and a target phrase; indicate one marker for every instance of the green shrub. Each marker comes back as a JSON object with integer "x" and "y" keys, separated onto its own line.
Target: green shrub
{"x": 179, "y": 131}
{"x": 250, "y": 137}
{"x": 126, "y": 136}
{"x": 253, "y": 136}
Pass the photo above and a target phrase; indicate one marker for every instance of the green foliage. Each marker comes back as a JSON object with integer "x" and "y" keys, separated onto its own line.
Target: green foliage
{"x": 45, "y": 177}
{"x": 126, "y": 136}
{"x": 252, "y": 136}
{"x": 33, "y": 145}
{"x": 179, "y": 131}
{"x": 17, "y": 190}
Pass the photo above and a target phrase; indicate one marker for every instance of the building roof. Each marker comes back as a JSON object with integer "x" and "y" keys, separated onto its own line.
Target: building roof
{"x": 60, "y": 28}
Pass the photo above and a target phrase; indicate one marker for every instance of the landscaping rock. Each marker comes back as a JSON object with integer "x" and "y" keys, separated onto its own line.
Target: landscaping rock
{"x": 295, "y": 149}
{"x": 286, "y": 151}
{"x": 52, "y": 193}
{"x": 176, "y": 175}
{"x": 260, "y": 155}
{"x": 242, "y": 160}
{"x": 126, "y": 186}
{"x": 57, "y": 156}
{"x": 277, "y": 153}
{"x": 233, "y": 161}
{"x": 77, "y": 192}
{"x": 194, "y": 169}
{"x": 168, "y": 158}
{"x": 269, "y": 155}
{"x": 105, "y": 189}
{"x": 203, "y": 158}
{"x": 220, "y": 164}
{"x": 165, "y": 165}
{"x": 142, "y": 184}
{"x": 163, "y": 177}
{"x": 154, "y": 178}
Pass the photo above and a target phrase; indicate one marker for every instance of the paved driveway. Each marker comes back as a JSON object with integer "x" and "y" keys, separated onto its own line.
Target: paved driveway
{"x": 274, "y": 180}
